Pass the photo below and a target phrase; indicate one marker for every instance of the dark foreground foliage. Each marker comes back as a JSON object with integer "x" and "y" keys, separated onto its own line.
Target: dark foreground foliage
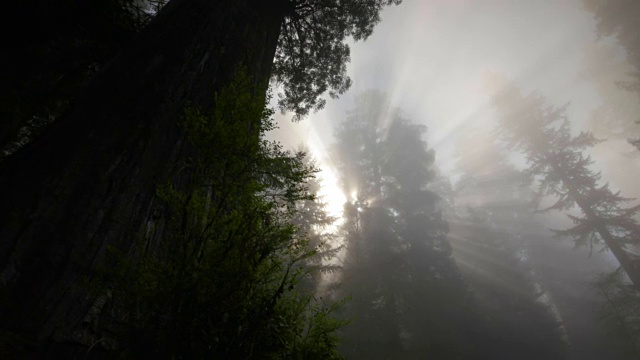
{"x": 225, "y": 281}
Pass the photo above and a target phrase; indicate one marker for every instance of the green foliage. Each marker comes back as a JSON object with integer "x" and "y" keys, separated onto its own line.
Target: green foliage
{"x": 312, "y": 53}
{"x": 220, "y": 273}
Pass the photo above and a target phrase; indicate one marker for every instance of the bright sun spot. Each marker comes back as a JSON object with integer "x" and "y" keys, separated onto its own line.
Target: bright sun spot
{"x": 306, "y": 133}
{"x": 330, "y": 192}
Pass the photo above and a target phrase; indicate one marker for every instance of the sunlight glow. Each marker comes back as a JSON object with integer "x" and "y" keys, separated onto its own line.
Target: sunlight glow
{"x": 330, "y": 192}
{"x": 305, "y": 133}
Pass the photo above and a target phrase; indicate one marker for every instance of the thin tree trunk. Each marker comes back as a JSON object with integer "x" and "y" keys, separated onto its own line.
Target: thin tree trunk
{"x": 88, "y": 184}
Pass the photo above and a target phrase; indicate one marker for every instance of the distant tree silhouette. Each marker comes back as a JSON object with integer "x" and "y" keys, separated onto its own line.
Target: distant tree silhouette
{"x": 490, "y": 230}
{"x": 621, "y": 309}
{"x": 408, "y": 298}
{"x": 556, "y": 159}
{"x": 619, "y": 18}
{"x": 616, "y": 117}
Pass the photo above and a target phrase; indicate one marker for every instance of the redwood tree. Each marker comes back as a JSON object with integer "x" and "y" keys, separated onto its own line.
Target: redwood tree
{"x": 88, "y": 184}
{"x": 61, "y": 46}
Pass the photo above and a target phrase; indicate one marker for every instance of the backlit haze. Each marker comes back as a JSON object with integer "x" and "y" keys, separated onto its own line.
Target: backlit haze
{"x": 435, "y": 58}
{"x": 440, "y": 62}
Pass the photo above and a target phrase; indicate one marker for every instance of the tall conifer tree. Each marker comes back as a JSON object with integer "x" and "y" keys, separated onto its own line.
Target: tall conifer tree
{"x": 557, "y": 160}
{"x": 409, "y": 300}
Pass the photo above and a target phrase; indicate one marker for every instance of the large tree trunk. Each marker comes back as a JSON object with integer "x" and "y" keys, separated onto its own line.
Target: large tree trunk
{"x": 88, "y": 184}
{"x": 46, "y": 67}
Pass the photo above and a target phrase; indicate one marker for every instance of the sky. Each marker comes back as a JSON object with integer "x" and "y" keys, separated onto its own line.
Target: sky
{"x": 433, "y": 59}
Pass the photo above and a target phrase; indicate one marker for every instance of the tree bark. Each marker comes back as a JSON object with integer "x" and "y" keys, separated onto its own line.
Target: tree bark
{"x": 44, "y": 68}
{"x": 88, "y": 184}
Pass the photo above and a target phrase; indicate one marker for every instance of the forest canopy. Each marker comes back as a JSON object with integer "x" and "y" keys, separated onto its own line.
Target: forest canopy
{"x": 312, "y": 53}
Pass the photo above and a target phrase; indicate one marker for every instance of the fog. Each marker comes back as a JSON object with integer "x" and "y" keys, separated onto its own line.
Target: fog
{"x": 442, "y": 64}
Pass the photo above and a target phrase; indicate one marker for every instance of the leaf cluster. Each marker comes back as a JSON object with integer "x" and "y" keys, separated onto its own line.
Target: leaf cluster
{"x": 221, "y": 271}
{"x": 312, "y": 51}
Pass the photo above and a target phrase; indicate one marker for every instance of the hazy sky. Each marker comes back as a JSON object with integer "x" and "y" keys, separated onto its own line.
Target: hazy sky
{"x": 432, "y": 57}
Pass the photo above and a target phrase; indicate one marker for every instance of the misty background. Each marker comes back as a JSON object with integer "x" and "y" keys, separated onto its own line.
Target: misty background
{"x": 440, "y": 63}
{"x": 434, "y": 60}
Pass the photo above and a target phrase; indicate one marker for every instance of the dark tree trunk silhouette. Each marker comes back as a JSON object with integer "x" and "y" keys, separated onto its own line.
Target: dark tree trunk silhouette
{"x": 88, "y": 184}
{"x": 60, "y": 46}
